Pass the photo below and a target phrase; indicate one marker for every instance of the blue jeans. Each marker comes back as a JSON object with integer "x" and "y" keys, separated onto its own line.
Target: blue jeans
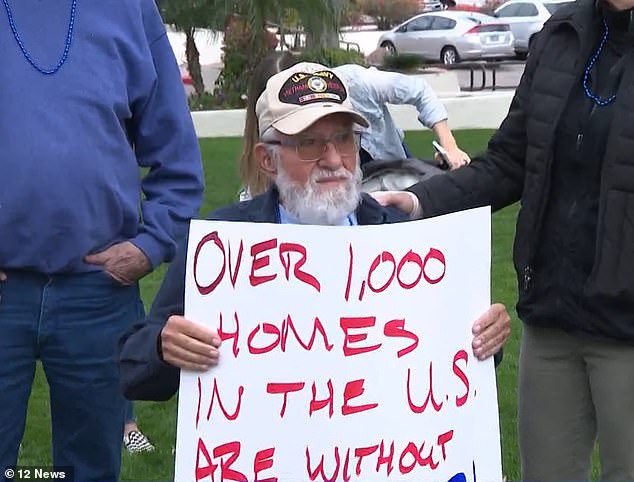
{"x": 129, "y": 412}
{"x": 129, "y": 406}
{"x": 72, "y": 323}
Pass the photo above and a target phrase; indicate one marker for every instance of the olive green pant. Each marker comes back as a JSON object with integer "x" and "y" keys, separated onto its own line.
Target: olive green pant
{"x": 575, "y": 390}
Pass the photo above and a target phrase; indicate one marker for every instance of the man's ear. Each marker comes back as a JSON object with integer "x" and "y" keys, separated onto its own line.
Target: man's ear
{"x": 264, "y": 160}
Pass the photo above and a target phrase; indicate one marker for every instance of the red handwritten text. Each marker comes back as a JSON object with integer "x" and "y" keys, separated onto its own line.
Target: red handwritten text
{"x": 386, "y": 263}
{"x": 224, "y": 457}
{"x": 353, "y": 389}
{"x": 379, "y": 458}
{"x": 292, "y": 258}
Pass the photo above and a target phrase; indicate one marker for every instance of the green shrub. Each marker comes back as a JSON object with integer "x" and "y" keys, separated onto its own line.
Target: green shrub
{"x": 402, "y": 62}
{"x": 208, "y": 101}
{"x": 241, "y": 51}
{"x": 333, "y": 57}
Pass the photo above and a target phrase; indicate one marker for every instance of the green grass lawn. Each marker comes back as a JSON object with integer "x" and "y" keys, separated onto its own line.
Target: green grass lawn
{"x": 158, "y": 420}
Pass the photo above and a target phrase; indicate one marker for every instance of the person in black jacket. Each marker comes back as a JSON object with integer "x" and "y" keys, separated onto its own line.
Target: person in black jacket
{"x": 311, "y": 154}
{"x": 566, "y": 150}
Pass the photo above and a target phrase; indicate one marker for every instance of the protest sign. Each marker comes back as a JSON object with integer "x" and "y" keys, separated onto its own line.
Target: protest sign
{"x": 346, "y": 353}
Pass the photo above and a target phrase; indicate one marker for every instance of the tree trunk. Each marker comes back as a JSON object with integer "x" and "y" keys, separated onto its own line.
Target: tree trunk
{"x": 382, "y": 23}
{"x": 327, "y": 38}
{"x": 297, "y": 42}
{"x": 193, "y": 62}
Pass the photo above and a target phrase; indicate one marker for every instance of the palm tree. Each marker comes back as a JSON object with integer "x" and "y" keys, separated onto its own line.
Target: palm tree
{"x": 320, "y": 19}
{"x": 187, "y": 16}
{"x": 322, "y": 28}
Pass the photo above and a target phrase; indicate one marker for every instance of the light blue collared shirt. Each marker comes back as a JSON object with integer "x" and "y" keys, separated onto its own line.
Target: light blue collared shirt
{"x": 370, "y": 91}
{"x": 288, "y": 218}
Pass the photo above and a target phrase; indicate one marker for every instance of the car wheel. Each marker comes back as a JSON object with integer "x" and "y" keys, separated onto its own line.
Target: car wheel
{"x": 390, "y": 47}
{"x": 449, "y": 56}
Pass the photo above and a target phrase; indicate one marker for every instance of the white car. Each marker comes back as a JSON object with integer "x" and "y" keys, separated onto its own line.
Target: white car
{"x": 450, "y": 36}
{"x": 526, "y": 18}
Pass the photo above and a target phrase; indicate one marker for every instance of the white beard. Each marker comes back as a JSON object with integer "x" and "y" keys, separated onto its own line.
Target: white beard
{"x": 311, "y": 205}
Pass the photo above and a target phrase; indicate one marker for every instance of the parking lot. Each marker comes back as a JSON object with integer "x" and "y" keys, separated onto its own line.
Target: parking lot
{"x": 507, "y": 76}
{"x": 210, "y": 47}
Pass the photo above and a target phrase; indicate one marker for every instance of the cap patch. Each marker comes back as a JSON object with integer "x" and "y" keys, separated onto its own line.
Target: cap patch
{"x": 304, "y": 88}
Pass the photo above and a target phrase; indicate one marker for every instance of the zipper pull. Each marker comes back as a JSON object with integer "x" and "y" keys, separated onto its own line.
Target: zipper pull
{"x": 579, "y": 140}
{"x": 527, "y": 278}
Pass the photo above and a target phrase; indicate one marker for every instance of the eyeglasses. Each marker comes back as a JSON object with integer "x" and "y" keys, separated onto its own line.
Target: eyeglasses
{"x": 312, "y": 149}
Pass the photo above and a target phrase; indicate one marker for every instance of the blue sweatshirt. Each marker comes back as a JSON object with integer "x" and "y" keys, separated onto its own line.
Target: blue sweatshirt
{"x": 72, "y": 143}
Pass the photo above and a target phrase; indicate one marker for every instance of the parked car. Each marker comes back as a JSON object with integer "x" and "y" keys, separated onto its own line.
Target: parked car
{"x": 526, "y": 18}
{"x": 451, "y": 36}
{"x": 430, "y": 6}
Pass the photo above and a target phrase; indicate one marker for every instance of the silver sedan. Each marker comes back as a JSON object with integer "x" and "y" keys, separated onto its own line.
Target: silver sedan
{"x": 451, "y": 36}
{"x": 526, "y": 18}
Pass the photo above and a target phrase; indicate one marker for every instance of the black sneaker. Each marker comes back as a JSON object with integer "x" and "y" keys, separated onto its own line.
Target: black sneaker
{"x": 135, "y": 442}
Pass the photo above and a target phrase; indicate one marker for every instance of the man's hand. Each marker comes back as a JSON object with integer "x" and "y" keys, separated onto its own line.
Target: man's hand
{"x": 123, "y": 261}
{"x": 455, "y": 158}
{"x": 491, "y": 331}
{"x": 3, "y": 276}
{"x": 188, "y": 345}
{"x": 403, "y": 200}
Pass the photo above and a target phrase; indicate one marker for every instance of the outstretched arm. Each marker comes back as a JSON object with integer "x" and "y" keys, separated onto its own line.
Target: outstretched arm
{"x": 495, "y": 178}
{"x": 401, "y": 89}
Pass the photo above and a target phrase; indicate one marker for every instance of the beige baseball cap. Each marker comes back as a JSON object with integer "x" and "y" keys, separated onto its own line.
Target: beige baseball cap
{"x": 297, "y": 97}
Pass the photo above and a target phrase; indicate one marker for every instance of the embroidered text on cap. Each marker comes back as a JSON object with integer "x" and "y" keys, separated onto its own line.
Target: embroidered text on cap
{"x": 304, "y": 88}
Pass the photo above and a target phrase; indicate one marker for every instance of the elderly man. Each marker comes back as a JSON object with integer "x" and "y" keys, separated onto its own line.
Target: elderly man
{"x": 309, "y": 145}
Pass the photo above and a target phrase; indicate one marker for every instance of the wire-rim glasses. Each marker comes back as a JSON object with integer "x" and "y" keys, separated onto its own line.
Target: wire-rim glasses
{"x": 312, "y": 148}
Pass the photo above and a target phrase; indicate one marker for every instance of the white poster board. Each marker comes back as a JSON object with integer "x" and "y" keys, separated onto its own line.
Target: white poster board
{"x": 346, "y": 353}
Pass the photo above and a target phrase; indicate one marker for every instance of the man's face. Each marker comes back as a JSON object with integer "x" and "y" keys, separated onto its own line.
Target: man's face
{"x": 305, "y": 160}
{"x": 319, "y": 184}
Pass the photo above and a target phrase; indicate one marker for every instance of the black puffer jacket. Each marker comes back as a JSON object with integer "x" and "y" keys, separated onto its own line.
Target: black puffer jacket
{"x": 519, "y": 161}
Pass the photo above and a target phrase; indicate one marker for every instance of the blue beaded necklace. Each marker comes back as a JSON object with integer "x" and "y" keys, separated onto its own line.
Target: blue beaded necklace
{"x": 25, "y": 52}
{"x": 589, "y": 94}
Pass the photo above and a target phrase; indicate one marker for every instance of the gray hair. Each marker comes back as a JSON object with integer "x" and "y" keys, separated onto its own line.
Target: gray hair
{"x": 270, "y": 134}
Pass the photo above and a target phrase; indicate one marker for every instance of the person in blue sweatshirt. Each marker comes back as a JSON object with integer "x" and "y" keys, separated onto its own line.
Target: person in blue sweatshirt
{"x": 100, "y": 172}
